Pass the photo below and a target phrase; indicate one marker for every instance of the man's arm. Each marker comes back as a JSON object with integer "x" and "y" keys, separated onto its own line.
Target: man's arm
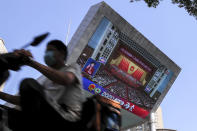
{"x": 10, "y": 98}
{"x": 63, "y": 78}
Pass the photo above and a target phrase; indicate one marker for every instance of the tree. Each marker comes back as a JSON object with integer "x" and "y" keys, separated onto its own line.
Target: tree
{"x": 189, "y": 5}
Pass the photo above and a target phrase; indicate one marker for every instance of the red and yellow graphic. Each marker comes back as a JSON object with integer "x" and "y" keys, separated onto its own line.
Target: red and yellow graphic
{"x": 92, "y": 87}
{"x": 131, "y": 68}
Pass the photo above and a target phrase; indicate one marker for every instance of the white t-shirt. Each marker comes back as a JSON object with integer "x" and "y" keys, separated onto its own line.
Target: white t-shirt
{"x": 72, "y": 95}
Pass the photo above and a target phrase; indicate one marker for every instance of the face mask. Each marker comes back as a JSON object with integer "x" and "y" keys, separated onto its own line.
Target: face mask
{"x": 49, "y": 58}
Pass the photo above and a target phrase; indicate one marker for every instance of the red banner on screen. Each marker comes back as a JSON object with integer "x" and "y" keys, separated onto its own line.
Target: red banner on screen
{"x": 127, "y": 105}
{"x": 131, "y": 56}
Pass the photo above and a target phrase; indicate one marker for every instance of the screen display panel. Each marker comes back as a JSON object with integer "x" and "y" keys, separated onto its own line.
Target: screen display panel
{"x": 112, "y": 69}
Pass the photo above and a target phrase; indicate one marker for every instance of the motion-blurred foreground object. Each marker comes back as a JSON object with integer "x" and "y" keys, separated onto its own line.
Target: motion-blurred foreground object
{"x": 128, "y": 68}
{"x": 109, "y": 112}
{"x": 100, "y": 114}
{"x": 13, "y": 62}
{"x": 8, "y": 61}
{"x": 37, "y": 40}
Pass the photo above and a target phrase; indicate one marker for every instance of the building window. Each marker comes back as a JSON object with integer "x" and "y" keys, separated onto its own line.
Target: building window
{"x": 101, "y": 48}
{"x": 109, "y": 34}
{"x": 97, "y": 56}
{"x": 105, "y": 42}
{"x": 159, "y": 80}
{"x": 155, "y": 85}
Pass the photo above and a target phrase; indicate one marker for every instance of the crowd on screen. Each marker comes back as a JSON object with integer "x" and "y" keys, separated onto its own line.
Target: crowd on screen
{"x": 106, "y": 80}
{"x": 135, "y": 96}
{"x": 103, "y": 79}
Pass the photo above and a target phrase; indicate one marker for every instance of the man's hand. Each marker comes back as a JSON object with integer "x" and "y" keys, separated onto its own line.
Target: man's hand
{"x": 24, "y": 56}
{"x": 22, "y": 52}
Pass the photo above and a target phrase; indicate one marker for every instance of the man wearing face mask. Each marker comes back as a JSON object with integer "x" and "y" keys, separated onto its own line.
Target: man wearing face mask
{"x": 54, "y": 101}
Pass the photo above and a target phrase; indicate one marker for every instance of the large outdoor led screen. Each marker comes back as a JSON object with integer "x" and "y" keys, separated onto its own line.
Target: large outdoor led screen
{"x": 114, "y": 70}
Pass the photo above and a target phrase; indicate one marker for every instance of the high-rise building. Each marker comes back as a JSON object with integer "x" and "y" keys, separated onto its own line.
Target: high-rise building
{"x": 2, "y": 50}
{"x": 121, "y": 64}
{"x": 157, "y": 122}
{"x": 146, "y": 126}
{"x": 158, "y": 119}
{"x": 2, "y": 47}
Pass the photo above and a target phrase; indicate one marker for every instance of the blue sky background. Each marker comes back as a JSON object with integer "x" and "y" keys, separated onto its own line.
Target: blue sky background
{"x": 170, "y": 28}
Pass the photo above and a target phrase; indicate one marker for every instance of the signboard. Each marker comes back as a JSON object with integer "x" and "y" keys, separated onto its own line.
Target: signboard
{"x": 113, "y": 70}
{"x": 119, "y": 63}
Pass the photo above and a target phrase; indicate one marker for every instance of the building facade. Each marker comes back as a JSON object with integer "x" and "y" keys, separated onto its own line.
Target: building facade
{"x": 2, "y": 50}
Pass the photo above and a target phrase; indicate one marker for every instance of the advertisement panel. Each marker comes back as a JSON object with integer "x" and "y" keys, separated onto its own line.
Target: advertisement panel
{"x": 112, "y": 69}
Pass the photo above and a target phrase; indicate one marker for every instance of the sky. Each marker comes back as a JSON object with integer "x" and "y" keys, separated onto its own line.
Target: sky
{"x": 170, "y": 28}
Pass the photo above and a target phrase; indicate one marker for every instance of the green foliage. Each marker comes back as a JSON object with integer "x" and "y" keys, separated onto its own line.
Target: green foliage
{"x": 189, "y": 5}
{"x": 150, "y": 3}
